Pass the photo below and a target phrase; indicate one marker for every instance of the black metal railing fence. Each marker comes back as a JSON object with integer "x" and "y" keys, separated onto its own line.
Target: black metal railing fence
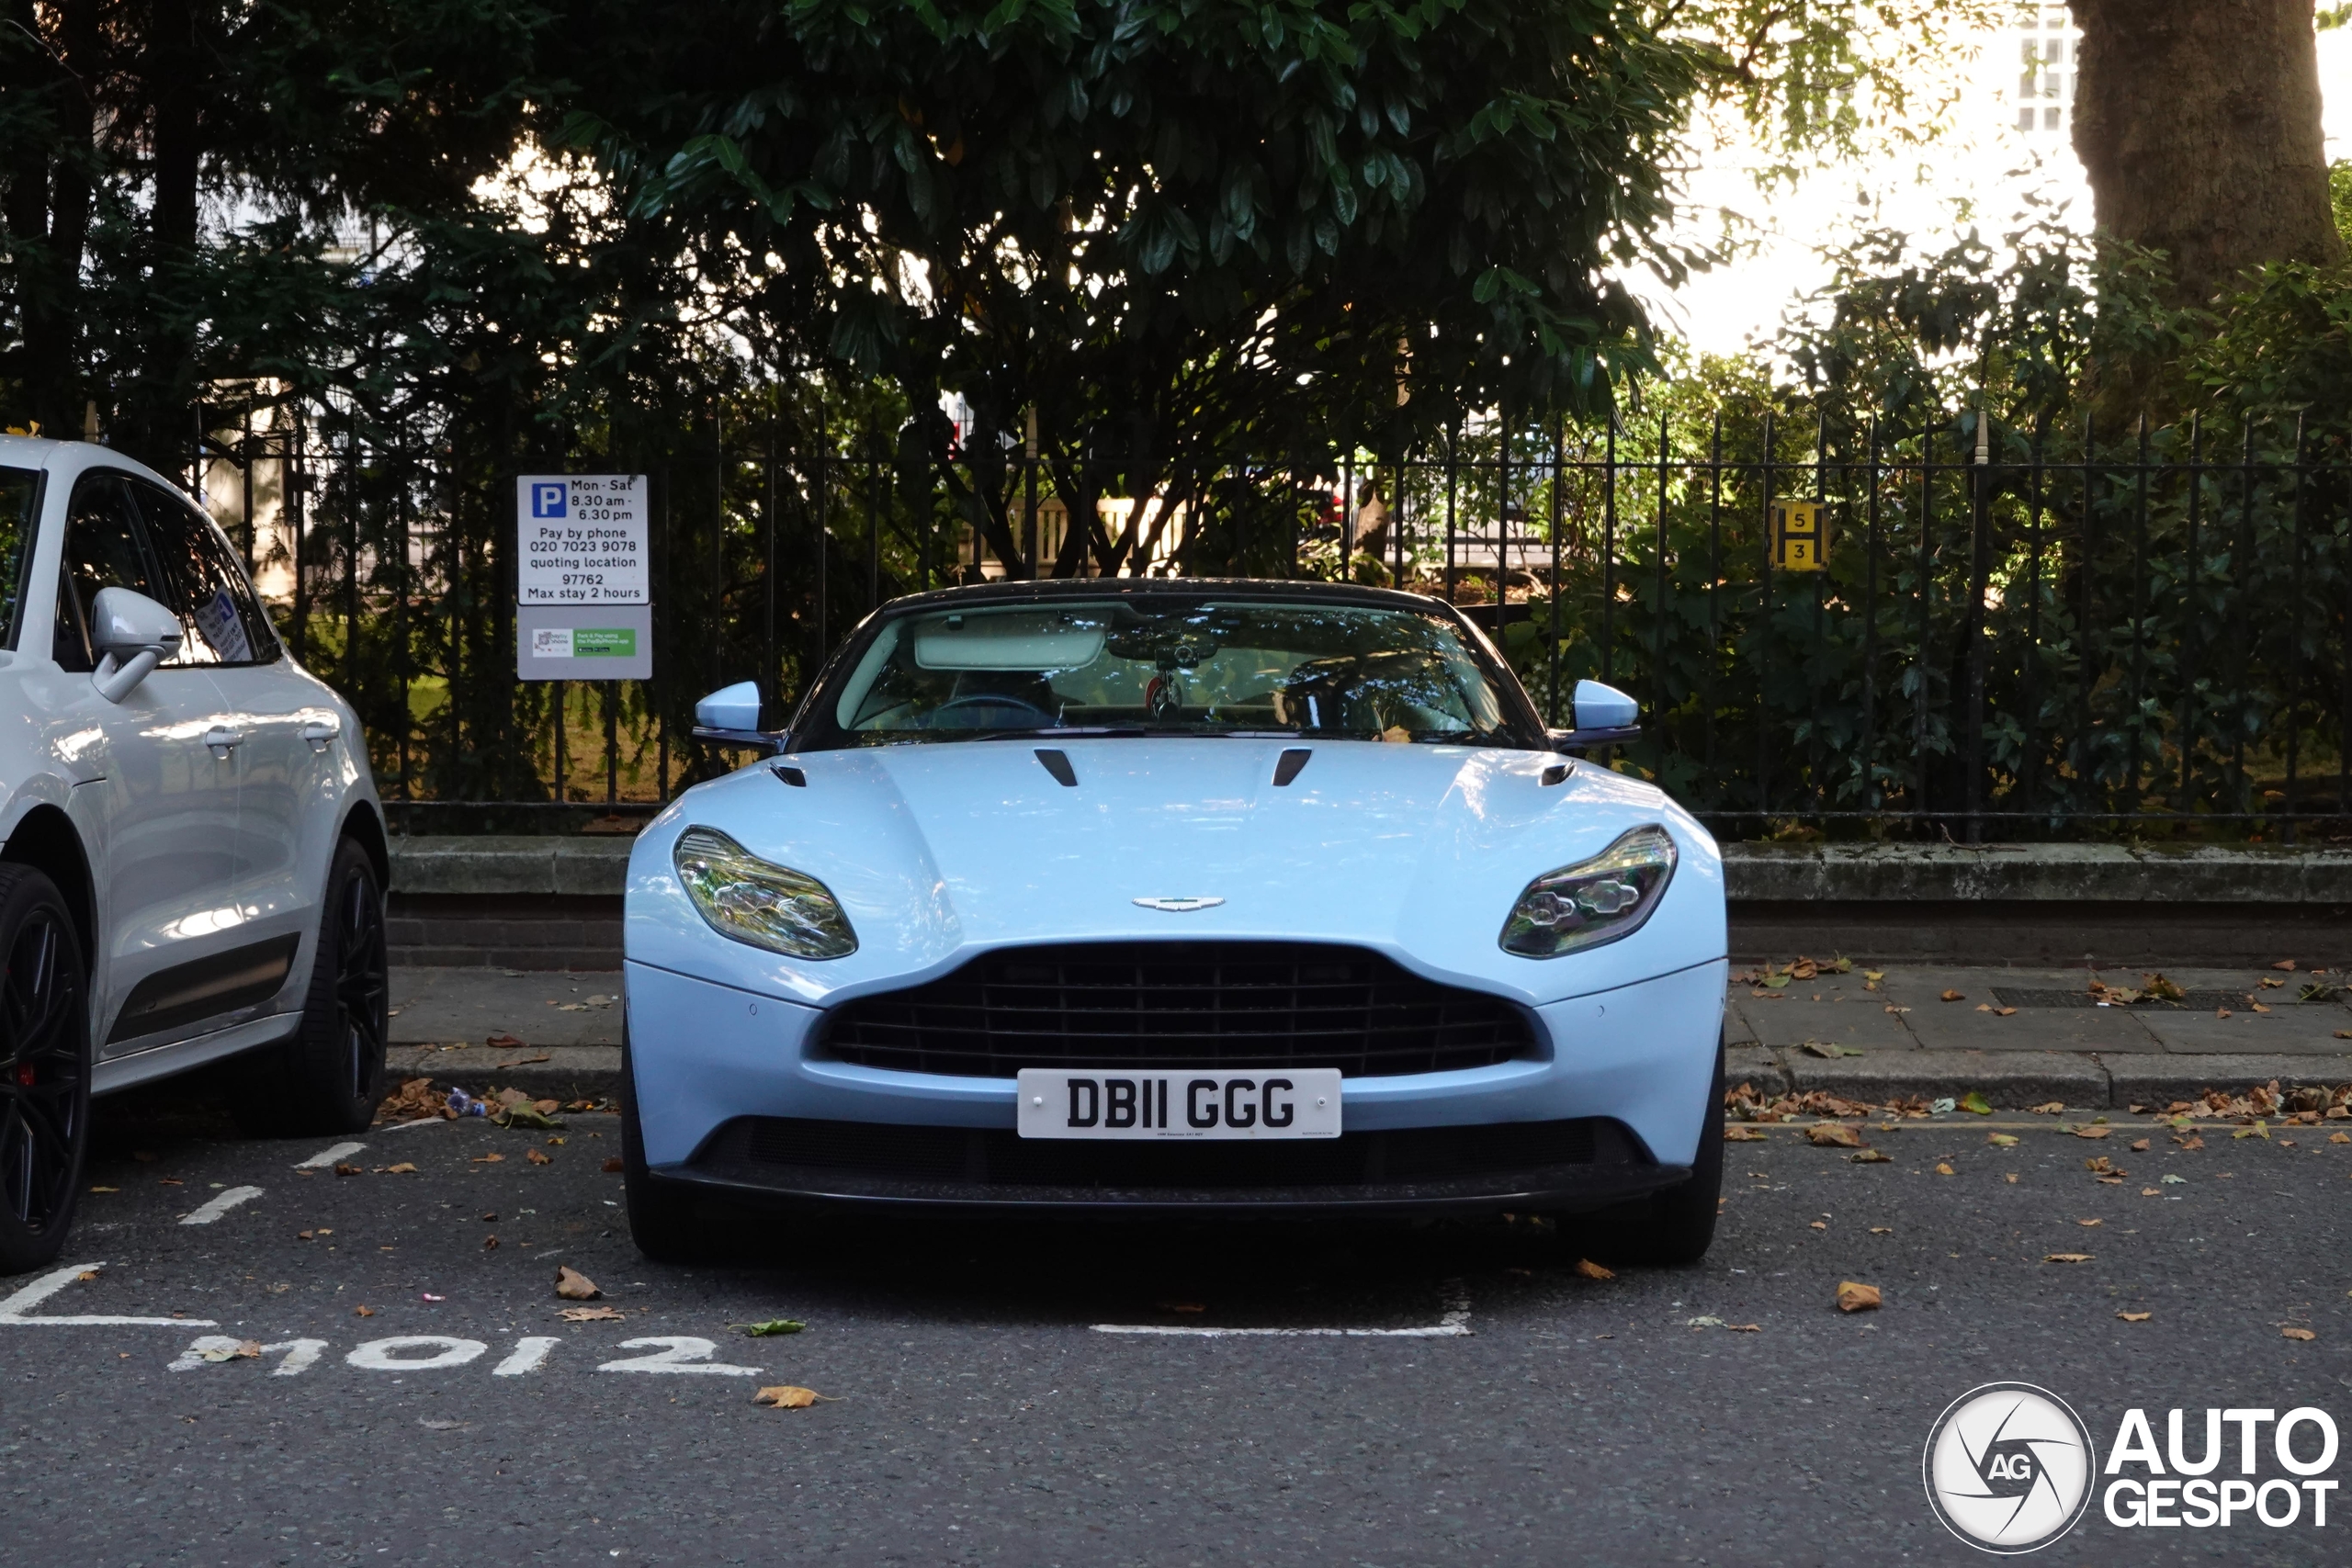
{"x": 2021, "y": 628}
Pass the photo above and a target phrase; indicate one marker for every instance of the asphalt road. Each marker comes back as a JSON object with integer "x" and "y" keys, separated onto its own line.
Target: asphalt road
{"x": 981, "y": 1415}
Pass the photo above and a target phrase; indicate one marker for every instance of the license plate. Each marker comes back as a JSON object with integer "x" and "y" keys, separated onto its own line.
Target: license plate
{"x": 1288, "y": 1103}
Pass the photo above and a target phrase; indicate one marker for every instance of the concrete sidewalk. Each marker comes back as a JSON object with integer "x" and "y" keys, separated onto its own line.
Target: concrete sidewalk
{"x": 2019, "y": 1036}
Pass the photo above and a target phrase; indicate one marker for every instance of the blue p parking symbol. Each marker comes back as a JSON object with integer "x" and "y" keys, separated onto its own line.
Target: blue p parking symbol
{"x": 548, "y": 500}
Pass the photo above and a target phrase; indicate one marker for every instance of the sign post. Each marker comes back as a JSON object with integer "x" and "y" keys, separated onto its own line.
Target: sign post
{"x": 583, "y": 602}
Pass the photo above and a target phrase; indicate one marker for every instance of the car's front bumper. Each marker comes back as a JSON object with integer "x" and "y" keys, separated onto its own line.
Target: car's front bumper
{"x": 708, "y": 1060}
{"x": 1546, "y": 1166}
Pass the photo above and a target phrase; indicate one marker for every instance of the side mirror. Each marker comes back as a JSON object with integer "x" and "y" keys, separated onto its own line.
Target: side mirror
{"x": 730, "y": 717}
{"x": 133, "y": 634}
{"x": 1604, "y": 715}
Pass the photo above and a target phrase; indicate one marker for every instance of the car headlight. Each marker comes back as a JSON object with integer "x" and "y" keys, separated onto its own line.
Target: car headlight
{"x": 1593, "y": 901}
{"x": 759, "y": 902}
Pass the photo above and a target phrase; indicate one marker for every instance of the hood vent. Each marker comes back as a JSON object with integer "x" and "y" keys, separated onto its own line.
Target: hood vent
{"x": 1291, "y": 764}
{"x": 1058, "y": 766}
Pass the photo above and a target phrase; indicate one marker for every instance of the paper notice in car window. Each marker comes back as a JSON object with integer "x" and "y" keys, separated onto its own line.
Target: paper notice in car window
{"x": 217, "y": 618}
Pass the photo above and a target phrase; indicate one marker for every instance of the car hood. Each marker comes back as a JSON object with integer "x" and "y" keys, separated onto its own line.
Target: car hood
{"x": 1419, "y": 851}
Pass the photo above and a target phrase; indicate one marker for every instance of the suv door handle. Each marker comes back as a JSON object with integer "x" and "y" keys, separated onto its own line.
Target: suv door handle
{"x": 320, "y": 732}
{"x": 220, "y": 738}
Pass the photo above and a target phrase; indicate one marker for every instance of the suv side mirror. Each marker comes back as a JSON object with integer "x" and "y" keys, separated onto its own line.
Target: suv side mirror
{"x": 133, "y": 634}
{"x": 1604, "y": 715}
{"x": 730, "y": 717}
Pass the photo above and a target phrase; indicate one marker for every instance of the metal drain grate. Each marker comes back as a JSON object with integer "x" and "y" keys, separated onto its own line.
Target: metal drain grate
{"x": 2194, "y": 1001}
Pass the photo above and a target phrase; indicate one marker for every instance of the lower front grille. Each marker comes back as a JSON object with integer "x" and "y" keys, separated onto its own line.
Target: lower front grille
{"x": 991, "y": 1157}
{"x": 1204, "y": 1005}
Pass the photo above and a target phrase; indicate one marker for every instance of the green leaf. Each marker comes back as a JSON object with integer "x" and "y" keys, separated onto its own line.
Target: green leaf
{"x": 773, "y": 1326}
{"x": 1975, "y": 1104}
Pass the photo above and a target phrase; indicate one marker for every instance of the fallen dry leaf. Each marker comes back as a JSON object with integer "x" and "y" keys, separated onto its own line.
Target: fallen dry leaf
{"x": 1853, "y": 1296}
{"x": 2149, "y": 1192}
{"x": 2066, "y": 1258}
{"x": 1819, "y": 1226}
{"x": 1882, "y": 1230}
{"x": 2340, "y": 1137}
{"x": 536, "y": 1157}
{"x": 2005, "y": 1012}
{"x": 1954, "y": 997}
{"x": 347, "y": 1170}
{"x": 2090, "y": 1222}
{"x": 2135, "y": 1317}
{"x": 2055, "y": 1108}
{"x": 489, "y": 1243}
{"x": 2004, "y": 1140}
{"x": 2139, "y": 1146}
{"x": 2258, "y": 1007}
{"x": 1943, "y": 1169}
{"x": 2291, "y": 1333}
{"x": 2286, "y": 964}
{"x": 1744, "y": 1328}
{"x": 612, "y": 1165}
{"x": 1750, "y": 1135}
{"x": 1870, "y": 1157}
{"x": 1592, "y": 1270}
{"x": 490, "y": 1159}
{"x": 2092, "y": 1131}
{"x": 403, "y": 1169}
{"x": 592, "y": 1315}
{"x": 2220, "y": 1012}
{"x": 2011, "y": 1178}
{"x": 1834, "y": 1134}
{"x": 1984, "y": 1007}
{"x": 2099, "y": 1165}
{"x": 787, "y": 1396}
{"x": 574, "y": 1286}
{"x": 501, "y": 1041}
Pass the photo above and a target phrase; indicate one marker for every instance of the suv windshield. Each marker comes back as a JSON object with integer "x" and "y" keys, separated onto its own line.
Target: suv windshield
{"x": 1166, "y": 666}
{"x": 20, "y": 520}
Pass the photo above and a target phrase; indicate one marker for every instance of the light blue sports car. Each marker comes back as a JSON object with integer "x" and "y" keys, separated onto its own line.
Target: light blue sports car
{"x": 1178, "y": 896}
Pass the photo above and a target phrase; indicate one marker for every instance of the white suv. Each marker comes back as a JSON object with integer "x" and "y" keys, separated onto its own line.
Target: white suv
{"x": 192, "y": 856}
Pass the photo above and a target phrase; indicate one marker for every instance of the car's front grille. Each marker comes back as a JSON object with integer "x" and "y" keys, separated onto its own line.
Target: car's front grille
{"x": 1208, "y": 1005}
{"x": 995, "y": 1158}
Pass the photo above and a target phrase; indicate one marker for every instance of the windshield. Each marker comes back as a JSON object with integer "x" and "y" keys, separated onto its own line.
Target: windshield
{"x": 20, "y": 520}
{"x": 1167, "y": 666}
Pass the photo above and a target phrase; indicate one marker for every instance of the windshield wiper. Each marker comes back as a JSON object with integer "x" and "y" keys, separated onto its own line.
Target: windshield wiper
{"x": 1081, "y": 730}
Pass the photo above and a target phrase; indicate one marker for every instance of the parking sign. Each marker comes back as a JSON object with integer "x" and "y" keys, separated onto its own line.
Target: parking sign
{"x": 581, "y": 539}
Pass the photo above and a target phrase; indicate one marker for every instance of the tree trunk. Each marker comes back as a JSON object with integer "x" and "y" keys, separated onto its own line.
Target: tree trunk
{"x": 2198, "y": 124}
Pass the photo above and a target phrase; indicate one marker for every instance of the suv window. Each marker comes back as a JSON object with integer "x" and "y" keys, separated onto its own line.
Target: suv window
{"x": 203, "y": 584}
{"x": 19, "y": 519}
{"x": 102, "y": 550}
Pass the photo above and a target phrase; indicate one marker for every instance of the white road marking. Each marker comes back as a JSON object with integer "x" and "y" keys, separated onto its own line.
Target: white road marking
{"x": 420, "y": 1121}
{"x": 683, "y": 1353}
{"x": 327, "y": 1156}
{"x": 17, "y": 1309}
{"x": 530, "y": 1353}
{"x": 219, "y": 1204}
{"x": 376, "y": 1355}
{"x": 1453, "y": 1323}
{"x": 193, "y": 1357}
{"x": 301, "y": 1355}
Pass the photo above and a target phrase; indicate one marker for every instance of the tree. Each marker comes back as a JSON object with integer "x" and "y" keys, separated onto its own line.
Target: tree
{"x": 1172, "y": 229}
{"x": 2198, "y": 124}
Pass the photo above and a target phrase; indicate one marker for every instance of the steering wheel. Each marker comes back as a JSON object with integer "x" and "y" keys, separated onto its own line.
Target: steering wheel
{"x": 996, "y": 700}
